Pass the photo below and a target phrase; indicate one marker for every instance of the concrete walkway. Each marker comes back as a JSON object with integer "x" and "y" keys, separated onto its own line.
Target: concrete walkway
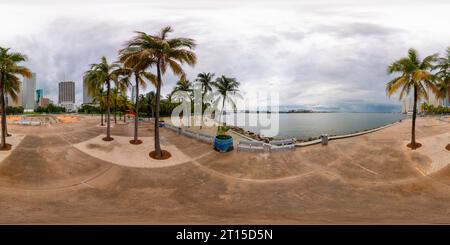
{"x": 370, "y": 178}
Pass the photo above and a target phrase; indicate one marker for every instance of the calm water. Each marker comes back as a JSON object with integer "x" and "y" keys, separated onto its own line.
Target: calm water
{"x": 306, "y": 125}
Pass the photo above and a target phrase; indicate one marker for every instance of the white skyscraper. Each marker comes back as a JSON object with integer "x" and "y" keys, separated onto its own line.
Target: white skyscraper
{"x": 29, "y": 91}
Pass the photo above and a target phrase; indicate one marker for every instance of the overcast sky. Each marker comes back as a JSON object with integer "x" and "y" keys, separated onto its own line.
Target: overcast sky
{"x": 316, "y": 54}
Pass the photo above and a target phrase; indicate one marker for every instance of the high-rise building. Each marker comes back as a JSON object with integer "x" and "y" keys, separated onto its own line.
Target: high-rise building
{"x": 87, "y": 99}
{"x": 44, "y": 102}
{"x": 39, "y": 95}
{"x": 66, "y": 96}
{"x": 29, "y": 90}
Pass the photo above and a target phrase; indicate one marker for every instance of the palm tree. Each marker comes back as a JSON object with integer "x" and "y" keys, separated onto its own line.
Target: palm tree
{"x": 150, "y": 97}
{"x": 166, "y": 54}
{"x": 115, "y": 93}
{"x": 98, "y": 76}
{"x": 100, "y": 98}
{"x": 11, "y": 88}
{"x": 205, "y": 81}
{"x": 443, "y": 74}
{"x": 134, "y": 63}
{"x": 416, "y": 76}
{"x": 184, "y": 86}
{"x": 225, "y": 86}
{"x": 124, "y": 105}
{"x": 9, "y": 83}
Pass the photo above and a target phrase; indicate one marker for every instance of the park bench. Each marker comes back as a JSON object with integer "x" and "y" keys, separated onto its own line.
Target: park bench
{"x": 280, "y": 145}
{"x": 249, "y": 145}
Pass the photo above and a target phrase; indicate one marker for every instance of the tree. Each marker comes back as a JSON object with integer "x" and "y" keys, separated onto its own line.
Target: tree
{"x": 182, "y": 85}
{"x": 100, "y": 99}
{"x": 10, "y": 83}
{"x": 150, "y": 97}
{"x": 14, "y": 110}
{"x": 166, "y": 54}
{"x": 185, "y": 87}
{"x": 224, "y": 87}
{"x": 137, "y": 62}
{"x": 115, "y": 94}
{"x": 124, "y": 105}
{"x": 415, "y": 76}
{"x": 12, "y": 88}
{"x": 98, "y": 76}
{"x": 205, "y": 81}
{"x": 443, "y": 74}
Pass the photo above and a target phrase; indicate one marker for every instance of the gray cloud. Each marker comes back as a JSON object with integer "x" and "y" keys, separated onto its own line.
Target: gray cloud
{"x": 320, "y": 55}
{"x": 359, "y": 29}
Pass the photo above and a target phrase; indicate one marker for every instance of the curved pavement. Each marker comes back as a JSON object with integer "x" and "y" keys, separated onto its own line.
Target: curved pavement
{"x": 366, "y": 179}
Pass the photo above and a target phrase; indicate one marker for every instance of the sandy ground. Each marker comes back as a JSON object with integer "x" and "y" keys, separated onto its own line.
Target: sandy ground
{"x": 121, "y": 152}
{"x": 14, "y": 140}
{"x": 439, "y": 156}
{"x": 365, "y": 179}
{"x": 67, "y": 119}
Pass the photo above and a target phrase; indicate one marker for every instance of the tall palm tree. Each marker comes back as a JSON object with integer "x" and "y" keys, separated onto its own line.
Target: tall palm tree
{"x": 9, "y": 82}
{"x": 415, "y": 76}
{"x": 115, "y": 93}
{"x": 100, "y": 98}
{"x": 184, "y": 86}
{"x": 124, "y": 105}
{"x": 98, "y": 76}
{"x": 12, "y": 88}
{"x": 226, "y": 87}
{"x": 443, "y": 73}
{"x": 166, "y": 54}
{"x": 205, "y": 81}
{"x": 134, "y": 63}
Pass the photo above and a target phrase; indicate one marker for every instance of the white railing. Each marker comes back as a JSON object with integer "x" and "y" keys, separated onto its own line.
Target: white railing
{"x": 191, "y": 134}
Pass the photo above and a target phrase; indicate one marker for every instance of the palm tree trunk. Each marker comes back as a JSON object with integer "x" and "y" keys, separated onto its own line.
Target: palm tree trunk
{"x": 413, "y": 128}
{"x": 6, "y": 124}
{"x": 101, "y": 117}
{"x": 108, "y": 113}
{"x": 158, "y": 95}
{"x": 124, "y": 116}
{"x": 201, "y": 110}
{"x": 187, "y": 116}
{"x": 6, "y": 127}
{"x": 2, "y": 104}
{"x": 136, "y": 109}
